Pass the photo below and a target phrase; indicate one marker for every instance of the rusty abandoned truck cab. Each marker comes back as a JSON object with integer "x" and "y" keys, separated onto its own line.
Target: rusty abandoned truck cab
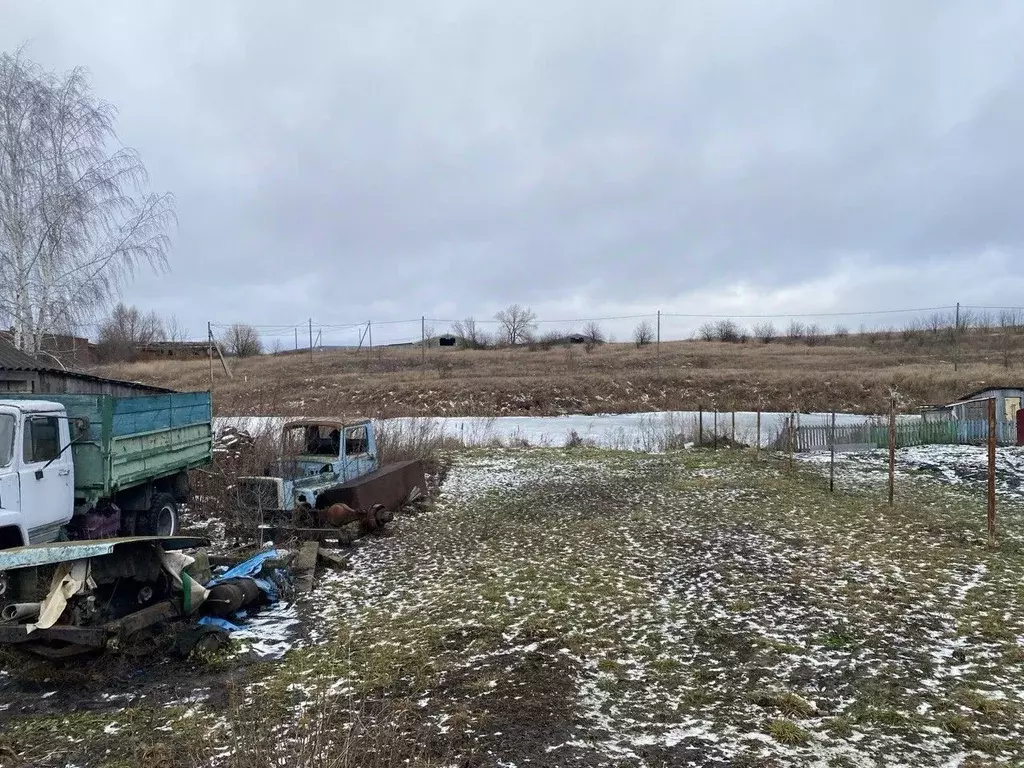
{"x": 328, "y": 474}
{"x": 317, "y": 455}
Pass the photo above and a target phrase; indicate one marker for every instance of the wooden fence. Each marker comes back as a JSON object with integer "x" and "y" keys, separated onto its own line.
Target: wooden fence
{"x": 869, "y": 435}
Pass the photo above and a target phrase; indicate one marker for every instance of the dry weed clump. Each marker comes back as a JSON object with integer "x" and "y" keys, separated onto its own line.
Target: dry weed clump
{"x": 319, "y": 730}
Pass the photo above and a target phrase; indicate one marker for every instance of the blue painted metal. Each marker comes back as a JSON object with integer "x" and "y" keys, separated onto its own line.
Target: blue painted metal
{"x": 308, "y": 476}
{"x": 63, "y": 551}
{"x": 132, "y": 440}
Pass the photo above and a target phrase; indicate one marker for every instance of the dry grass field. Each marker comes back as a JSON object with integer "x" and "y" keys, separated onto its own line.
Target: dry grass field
{"x": 853, "y": 374}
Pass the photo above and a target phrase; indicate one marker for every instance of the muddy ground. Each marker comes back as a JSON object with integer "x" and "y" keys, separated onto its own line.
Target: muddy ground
{"x": 594, "y": 608}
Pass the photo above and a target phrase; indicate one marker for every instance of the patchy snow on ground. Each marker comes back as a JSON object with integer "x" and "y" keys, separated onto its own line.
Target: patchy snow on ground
{"x": 960, "y": 465}
{"x": 584, "y": 608}
{"x": 676, "y": 610}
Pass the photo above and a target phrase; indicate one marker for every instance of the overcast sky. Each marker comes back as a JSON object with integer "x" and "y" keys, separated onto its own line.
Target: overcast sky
{"x": 357, "y": 161}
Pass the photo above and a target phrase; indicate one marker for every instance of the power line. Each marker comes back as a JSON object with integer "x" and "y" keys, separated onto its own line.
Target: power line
{"x": 806, "y": 314}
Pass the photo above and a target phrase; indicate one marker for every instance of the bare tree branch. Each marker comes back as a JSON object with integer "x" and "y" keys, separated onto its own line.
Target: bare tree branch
{"x": 75, "y": 219}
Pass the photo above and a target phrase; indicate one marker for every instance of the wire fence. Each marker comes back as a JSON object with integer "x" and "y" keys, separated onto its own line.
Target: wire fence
{"x": 658, "y": 326}
{"x": 654, "y": 327}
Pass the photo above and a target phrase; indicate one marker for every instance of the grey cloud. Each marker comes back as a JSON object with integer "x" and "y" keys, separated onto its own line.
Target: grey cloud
{"x": 339, "y": 159}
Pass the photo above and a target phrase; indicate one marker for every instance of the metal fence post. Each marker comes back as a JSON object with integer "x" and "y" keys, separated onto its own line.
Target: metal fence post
{"x": 992, "y": 473}
{"x": 832, "y": 458}
{"x": 892, "y": 449}
{"x": 757, "y": 445}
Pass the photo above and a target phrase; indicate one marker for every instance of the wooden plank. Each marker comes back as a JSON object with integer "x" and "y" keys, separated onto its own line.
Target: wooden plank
{"x": 305, "y": 565}
{"x": 335, "y": 560}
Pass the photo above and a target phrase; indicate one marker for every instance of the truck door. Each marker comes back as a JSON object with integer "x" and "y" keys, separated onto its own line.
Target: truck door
{"x": 357, "y": 459}
{"x": 47, "y": 492}
{"x": 10, "y": 497}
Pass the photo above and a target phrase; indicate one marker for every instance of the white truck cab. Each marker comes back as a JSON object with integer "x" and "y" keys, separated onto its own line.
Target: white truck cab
{"x": 37, "y": 482}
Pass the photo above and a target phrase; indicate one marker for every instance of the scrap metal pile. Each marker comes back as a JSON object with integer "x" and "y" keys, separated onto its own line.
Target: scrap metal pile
{"x": 100, "y": 594}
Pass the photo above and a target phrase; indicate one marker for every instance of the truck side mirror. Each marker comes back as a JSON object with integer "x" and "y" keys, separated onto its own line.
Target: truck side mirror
{"x": 39, "y": 474}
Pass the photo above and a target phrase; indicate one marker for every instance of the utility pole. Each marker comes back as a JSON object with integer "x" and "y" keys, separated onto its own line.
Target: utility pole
{"x": 209, "y": 349}
{"x": 658, "y": 346}
{"x": 956, "y": 339}
{"x": 423, "y": 338}
{"x": 369, "y": 331}
{"x": 311, "y": 339}
{"x": 296, "y": 338}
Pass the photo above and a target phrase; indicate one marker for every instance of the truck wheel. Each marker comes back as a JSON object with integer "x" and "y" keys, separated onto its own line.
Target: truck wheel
{"x": 162, "y": 518}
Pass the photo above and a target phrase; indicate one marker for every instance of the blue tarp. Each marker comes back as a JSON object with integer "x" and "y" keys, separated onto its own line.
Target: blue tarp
{"x": 247, "y": 569}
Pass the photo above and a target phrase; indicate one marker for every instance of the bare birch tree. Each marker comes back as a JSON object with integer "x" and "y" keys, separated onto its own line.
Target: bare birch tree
{"x": 76, "y": 219}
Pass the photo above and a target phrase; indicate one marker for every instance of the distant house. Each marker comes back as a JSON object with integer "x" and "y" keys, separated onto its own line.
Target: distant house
{"x": 974, "y": 405}
{"x": 20, "y": 372}
{"x": 173, "y": 350}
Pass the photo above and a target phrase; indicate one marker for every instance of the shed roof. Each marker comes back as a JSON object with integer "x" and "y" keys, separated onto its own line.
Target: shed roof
{"x": 978, "y": 392}
{"x": 13, "y": 359}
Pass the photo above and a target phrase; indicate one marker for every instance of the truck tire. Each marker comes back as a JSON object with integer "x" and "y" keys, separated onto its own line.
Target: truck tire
{"x": 162, "y": 517}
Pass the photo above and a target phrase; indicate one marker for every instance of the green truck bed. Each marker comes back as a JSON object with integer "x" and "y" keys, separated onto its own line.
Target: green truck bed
{"x": 121, "y": 442}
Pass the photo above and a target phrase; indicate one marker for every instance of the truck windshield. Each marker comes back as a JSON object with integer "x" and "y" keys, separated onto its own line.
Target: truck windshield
{"x": 313, "y": 440}
{"x": 7, "y": 429}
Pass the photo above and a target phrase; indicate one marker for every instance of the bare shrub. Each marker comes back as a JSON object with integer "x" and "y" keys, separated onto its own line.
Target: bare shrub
{"x": 1011, "y": 319}
{"x": 935, "y": 322}
{"x": 707, "y": 331}
{"x": 593, "y": 333}
{"x": 984, "y": 321}
{"x": 727, "y": 330}
{"x": 549, "y": 340}
{"x": 242, "y": 340}
{"x": 967, "y": 318}
{"x": 813, "y": 335}
{"x": 469, "y": 333}
{"x": 911, "y": 330}
{"x": 765, "y": 332}
{"x": 841, "y": 332}
{"x": 795, "y": 331}
{"x": 517, "y": 324}
{"x": 869, "y": 334}
{"x": 643, "y": 334}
